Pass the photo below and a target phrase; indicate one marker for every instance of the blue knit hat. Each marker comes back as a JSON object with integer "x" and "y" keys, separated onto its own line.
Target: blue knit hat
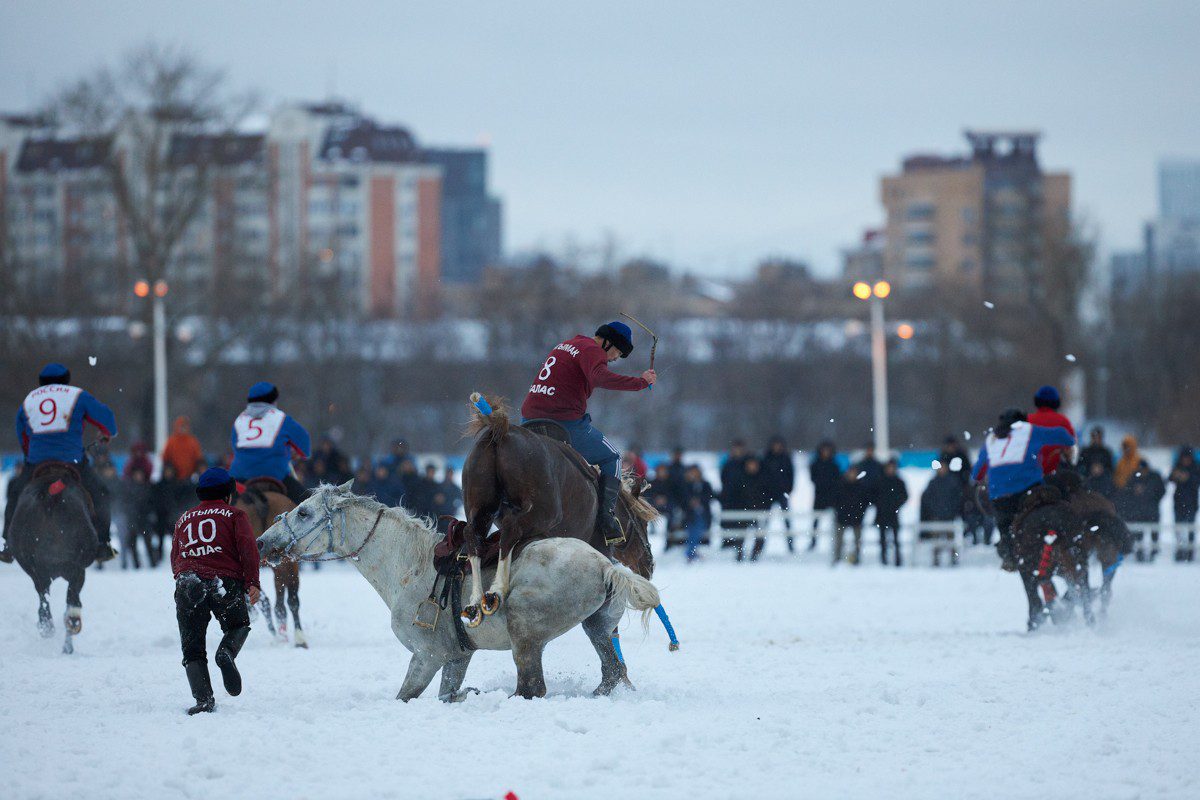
{"x": 54, "y": 373}
{"x": 619, "y": 334}
{"x": 1047, "y": 396}
{"x": 262, "y": 392}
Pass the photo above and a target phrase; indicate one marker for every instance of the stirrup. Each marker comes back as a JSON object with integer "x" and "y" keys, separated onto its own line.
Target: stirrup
{"x": 616, "y": 540}
{"x": 421, "y": 618}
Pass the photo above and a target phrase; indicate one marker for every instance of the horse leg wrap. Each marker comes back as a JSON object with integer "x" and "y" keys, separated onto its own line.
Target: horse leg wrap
{"x": 666, "y": 622}
{"x": 616, "y": 640}
{"x": 1045, "y": 570}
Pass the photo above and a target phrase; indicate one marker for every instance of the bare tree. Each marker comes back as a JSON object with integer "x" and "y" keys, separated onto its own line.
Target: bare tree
{"x": 146, "y": 110}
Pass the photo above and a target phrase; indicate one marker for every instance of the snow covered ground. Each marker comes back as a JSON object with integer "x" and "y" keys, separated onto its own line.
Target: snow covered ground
{"x": 794, "y": 680}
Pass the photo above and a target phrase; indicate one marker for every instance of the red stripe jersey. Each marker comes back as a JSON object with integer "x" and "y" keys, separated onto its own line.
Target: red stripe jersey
{"x": 569, "y": 375}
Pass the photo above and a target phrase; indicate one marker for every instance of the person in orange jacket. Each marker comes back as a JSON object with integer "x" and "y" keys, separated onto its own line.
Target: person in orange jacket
{"x": 183, "y": 450}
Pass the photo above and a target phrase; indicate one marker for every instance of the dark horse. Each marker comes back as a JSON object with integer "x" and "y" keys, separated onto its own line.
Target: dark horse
{"x": 533, "y": 486}
{"x": 52, "y": 536}
{"x": 263, "y": 501}
{"x": 1058, "y": 529}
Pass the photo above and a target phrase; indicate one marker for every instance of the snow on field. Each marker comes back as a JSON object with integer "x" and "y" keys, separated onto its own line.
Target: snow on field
{"x": 793, "y": 681}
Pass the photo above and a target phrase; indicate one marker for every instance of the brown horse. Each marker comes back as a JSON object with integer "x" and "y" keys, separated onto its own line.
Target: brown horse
{"x": 533, "y": 486}
{"x": 263, "y": 501}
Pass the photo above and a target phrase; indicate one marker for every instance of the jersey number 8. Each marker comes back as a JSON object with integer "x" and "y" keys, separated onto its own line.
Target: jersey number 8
{"x": 545, "y": 373}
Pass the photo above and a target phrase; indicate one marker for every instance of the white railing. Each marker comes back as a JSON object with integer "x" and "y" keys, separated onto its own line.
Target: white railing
{"x": 1184, "y": 534}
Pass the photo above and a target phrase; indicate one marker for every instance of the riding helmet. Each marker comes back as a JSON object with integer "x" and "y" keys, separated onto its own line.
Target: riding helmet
{"x": 262, "y": 392}
{"x": 215, "y": 484}
{"x": 1047, "y": 397}
{"x": 1009, "y": 417}
{"x": 618, "y": 335}
{"x": 54, "y": 373}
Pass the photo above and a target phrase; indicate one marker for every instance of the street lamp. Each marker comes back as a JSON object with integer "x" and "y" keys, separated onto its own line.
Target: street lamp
{"x": 143, "y": 288}
{"x": 875, "y": 294}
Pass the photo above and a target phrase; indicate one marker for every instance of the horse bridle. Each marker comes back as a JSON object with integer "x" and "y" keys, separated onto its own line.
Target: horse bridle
{"x": 295, "y": 540}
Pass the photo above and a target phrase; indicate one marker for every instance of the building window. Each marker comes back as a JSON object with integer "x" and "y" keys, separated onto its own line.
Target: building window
{"x": 922, "y": 262}
{"x": 970, "y": 215}
{"x": 921, "y": 237}
{"x": 916, "y": 211}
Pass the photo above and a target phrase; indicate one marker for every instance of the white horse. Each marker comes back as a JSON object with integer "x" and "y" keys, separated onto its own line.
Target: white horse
{"x": 556, "y": 584}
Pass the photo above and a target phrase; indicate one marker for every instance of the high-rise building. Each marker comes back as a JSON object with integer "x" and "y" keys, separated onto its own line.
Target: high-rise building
{"x": 470, "y": 216}
{"x": 979, "y": 220}
{"x": 1173, "y": 238}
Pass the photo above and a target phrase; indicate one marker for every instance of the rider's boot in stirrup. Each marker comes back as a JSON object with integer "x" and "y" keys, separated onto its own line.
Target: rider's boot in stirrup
{"x": 197, "y": 675}
{"x": 230, "y": 646}
{"x": 6, "y": 555}
{"x": 105, "y": 552}
{"x": 610, "y": 489}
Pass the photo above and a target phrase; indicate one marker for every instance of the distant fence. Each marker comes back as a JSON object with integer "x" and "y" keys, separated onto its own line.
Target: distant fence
{"x": 922, "y": 543}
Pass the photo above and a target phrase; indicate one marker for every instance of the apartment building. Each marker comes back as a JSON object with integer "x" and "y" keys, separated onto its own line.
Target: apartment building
{"x": 978, "y": 220}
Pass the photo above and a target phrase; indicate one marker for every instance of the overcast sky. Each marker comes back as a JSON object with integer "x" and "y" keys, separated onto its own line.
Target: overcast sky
{"x": 705, "y": 133}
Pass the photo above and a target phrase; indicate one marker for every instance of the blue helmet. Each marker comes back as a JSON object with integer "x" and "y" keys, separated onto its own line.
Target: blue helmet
{"x": 1047, "y": 397}
{"x": 54, "y": 373}
{"x": 262, "y": 392}
{"x": 619, "y": 335}
{"x": 215, "y": 484}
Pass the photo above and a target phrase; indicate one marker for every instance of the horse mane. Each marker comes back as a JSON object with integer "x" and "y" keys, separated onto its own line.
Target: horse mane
{"x": 638, "y": 506}
{"x": 496, "y": 424}
{"x": 421, "y": 535}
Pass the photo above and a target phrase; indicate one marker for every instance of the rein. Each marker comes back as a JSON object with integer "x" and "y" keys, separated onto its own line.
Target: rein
{"x": 294, "y": 540}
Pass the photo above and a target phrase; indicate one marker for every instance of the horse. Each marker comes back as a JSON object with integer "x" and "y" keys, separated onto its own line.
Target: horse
{"x": 532, "y": 485}
{"x": 1105, "y": 533}
{"x": 556, "y": 584}
{"x": 264, "y": 500}
{"x": 1049, "y": 538}
{"x": 52, "y": 536}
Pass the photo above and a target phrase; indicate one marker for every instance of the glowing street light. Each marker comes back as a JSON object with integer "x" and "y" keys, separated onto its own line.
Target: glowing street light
{"x": 904, "y": 331}
{"x": 875, "y": 295}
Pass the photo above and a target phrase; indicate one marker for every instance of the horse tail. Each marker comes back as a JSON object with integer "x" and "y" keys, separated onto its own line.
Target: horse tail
{"x": 632, "y": 591}
{"x": 490, "y": 416}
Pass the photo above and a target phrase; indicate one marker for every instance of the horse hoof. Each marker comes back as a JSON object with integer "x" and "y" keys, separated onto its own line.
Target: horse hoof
{"x": 491, "y": 603}
{"x": 74, "y": 625}
{"x": 301, "y": 639}
{"x": 68, "y": 648}
{"x": 672, "y": 647}
{"x": 46, "y": 628}
{"x": 472, "y": 617}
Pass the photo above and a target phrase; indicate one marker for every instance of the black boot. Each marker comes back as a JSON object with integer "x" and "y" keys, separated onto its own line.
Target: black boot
{"x": 105, "y": 552}
{"x": 1004, "y": 548}
{"x": 6, "y": 555}
{"x": 230, "y": 646}
{"x": 197, "y": 675}
{"x": 610, "y": 489}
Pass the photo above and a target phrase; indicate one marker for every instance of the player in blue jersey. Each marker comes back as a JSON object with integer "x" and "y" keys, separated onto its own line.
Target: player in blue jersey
{"x": 49, "y": 427}
{"x": 265, "y": 440}
{"x": 1009, "y": 459}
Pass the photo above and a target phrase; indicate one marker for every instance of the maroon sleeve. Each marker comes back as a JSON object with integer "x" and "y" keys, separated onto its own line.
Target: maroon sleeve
{"x": 601, "y": 377}
{"x": 175, "y": 559}
{"x": 247, "y": 548}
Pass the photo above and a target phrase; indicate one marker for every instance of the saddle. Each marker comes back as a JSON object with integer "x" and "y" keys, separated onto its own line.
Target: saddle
{"x": 264, "y": 483}
{"x": 548, "y": 428}
{"x": 59, "y": 474}
{"x": 451, "y": 568}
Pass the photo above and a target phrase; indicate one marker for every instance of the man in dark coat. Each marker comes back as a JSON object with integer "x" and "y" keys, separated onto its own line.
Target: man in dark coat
{"x": 956, "y": 457}
{"x": 942, "y": 501}
{"x": 662, "y": 494}
{"x": 1139, "y": 501}
{"x": 1186, "y": 477}
{"x": 697, "y": 516}
{"x": 1095, "y": 454}
{"x": 892, "y": 495}
{"x": 733, "y": 486}
{"x": 779, "y": 475}
{"x": 854, "y": 495}
{"x": 826, "y": 477}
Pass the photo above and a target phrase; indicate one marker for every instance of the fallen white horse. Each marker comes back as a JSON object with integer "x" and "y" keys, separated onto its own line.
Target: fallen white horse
{"x": 555, "y": 585}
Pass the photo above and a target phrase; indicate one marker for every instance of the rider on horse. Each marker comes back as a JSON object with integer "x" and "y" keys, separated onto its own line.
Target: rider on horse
{"x": 1010, "y": 459}
{"x": 265, "y": 439}
{"x": 50, "y": 428}
{"x": 1047, "y": 401}
{"x": 566, "y": 380}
